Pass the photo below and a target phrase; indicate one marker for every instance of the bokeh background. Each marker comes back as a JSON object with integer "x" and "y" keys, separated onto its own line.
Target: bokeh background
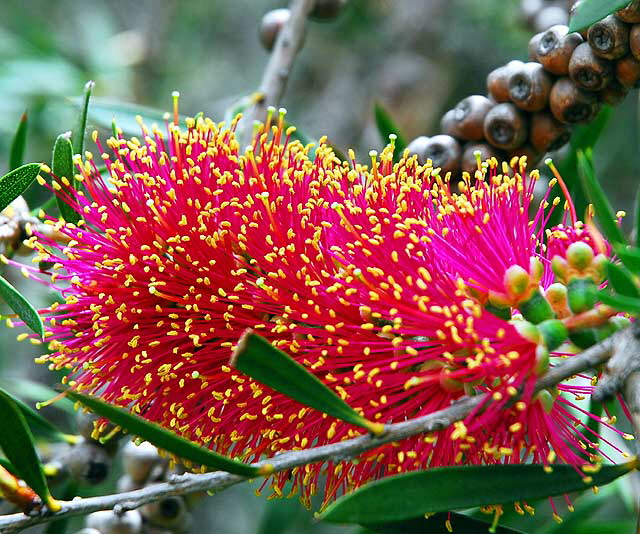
{"x": 416, "y": 57}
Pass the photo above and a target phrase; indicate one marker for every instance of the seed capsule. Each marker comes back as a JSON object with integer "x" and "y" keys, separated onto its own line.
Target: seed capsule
{"x": 628, "y": 71}
{"x": 108, "y": 522}
{"x": 327, "y": 9}
{"x": 466, "y": 120}
{"x": 532, "y": 47}
{"x": 609, "y": 38}
{"x": 634, "y": 41}
{"x": 498, "y": 81}
{"x": 589, "y": 71}
{"x": 468, "y": 161}
{"x": 546, "y": 133}
{"x": 505, "y": 126}
{"x": 556, "y": 47}
{"x": 570, "y": 104}
{"x": 529, "y": 86}
{"x": 614, "y": 93}
{"x": 170, "y": 512}
{"x": 139, "y": 460}
{"x": 88, "y": 462}
{"x": 444, "y": 152}
{"x": 532, "y": 155}
{"x": 418, "y": 146}
{"x": 631, "y": 13}
{"x": 271, "y": 24}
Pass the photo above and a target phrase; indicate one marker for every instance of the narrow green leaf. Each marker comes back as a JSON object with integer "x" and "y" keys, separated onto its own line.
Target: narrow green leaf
{"x": 386, "y": 127}
{"x": 18, "y": 446}
{"x": 630, "y": 257}
{"x": 19, "y": 143}
{"x": 62, "y": 167}
{"x": 38, "y": 393}
{"x": 621, "y": 280}
{"x": 590, "y": 11}
{"x": 78, "y": 136}
{"x": 36, "y": 422}
{"x": 260, "y": 360}
{"x": 436, "y": 524}
{"x": 21, "y": 306}
{"x": 603, "y": 211}
{"x": 8, "y": 466}
{"x": 163, "y": 438}
{"x": 620, "y": 302}
{"x": 636, "y": 213}
{"x": 14, "y": 183}
{"x": 453, "y": 488}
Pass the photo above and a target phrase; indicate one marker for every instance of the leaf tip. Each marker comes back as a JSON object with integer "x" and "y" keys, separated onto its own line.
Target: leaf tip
{"x": 241, "y": 347}
{"x": 266, "y": 470}
{"x": 377, "y": 429}
{"x": 53, "y": 504}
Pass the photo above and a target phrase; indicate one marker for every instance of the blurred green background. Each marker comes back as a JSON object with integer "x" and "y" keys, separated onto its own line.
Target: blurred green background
{"x": 416, "y": 57}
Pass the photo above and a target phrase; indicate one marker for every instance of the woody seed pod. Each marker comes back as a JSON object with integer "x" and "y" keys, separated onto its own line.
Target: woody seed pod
{"x": 467, "y": 118}
{"x": 556, "y": 47}
{"x": 87, "y": 462}
{"x": 529, "y": 86}
{"x": 505, "y": 126}
{"x": 546, "y": 133}
{"x": 631, "y": 13}
{"x": 327, "y": 9}
{"x": 498, "y": 81}
{"x": 589, "y": 71}
{"x": 418, "y": 146}
{"x": 628, "y": 71}
{"x": 108, "y": 522}
{"x": 468, "y": 161}
{"x": 609, "y": 38}
{"x": 444, "y": 152}
{"x": 532, "y": 155}
{"x": 170, "y": 512}
{"x": 139, "y": 460}
{"x": 634, "y": 41}
{"x": 570, "y": 104}
{"x": 614, "y": 93}
{"x": 271, "y": 24}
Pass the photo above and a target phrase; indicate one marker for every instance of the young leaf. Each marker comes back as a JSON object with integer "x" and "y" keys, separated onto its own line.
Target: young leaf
{"x": 163, "y": 438}
{"x": 386, "y": 127}
{"x": 603, "y": 211}
{"x": 78, "y": 136}
{"x": 36, "y": 422}
{"x": 21, "y": 306}
{"x": 18, "y": 446}
{"x": 437, "y": 524}
{"x": 62, "y": 167}
{"x": 13, "y": 184}
{"x": 259, "y": 359}
{"x": 453, "y": 488}
{"x": 621, "y": 280}
{"x": 620, "y": 302}
{"x": 16, "y": 153}
{"x": 589, "y": 11}
{"x": 630, "y": 257}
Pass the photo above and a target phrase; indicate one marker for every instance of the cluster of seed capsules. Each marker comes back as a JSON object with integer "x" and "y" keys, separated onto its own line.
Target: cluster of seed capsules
{"x": 531, "y": 107}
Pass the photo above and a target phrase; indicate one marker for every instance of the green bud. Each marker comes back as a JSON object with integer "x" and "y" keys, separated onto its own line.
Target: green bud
{"x": 498, "y": 311}
{"x": 583, "y": 338}
{"x": 579, "y": 255}
{"x": 536, "y": 309}
{"x": 516, "y": 280}
{"x": 559, "y": 267}
{"x": 547, "y": 398}
{"x": 527, "y": 330}
{"x": 542, "y": 360}
{"x": 554, "y": 333}
{"x": 582, "y": 294}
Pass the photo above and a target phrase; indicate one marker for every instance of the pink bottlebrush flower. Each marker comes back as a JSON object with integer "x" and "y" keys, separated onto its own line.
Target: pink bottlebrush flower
{"x": 362, "y": 274}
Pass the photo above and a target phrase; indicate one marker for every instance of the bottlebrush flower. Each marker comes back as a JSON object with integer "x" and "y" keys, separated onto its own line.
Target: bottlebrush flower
{"x": 368, "y": 276}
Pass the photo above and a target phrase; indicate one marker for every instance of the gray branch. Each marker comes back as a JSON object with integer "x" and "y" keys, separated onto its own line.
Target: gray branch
{"x": 218, "y": 481}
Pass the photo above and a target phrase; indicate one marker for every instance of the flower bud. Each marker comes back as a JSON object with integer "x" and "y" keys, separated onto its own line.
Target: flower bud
{"x": 108, "y": 522}
{"x": 466, "y": 120}
{"x": 582, "y": 294}
{"x": 444, "y": 152}
{"x": 556, "y": 295}
{"x": 609, "y": 38}
{"x": 498, "y": 81}
{"x": 170, "y": 512}
{"x": 546, "y": 398}
{"x": 589, "y": 71}
{"x": 579, "y": 255}
{"x": 570, "y": 104}
{"x": 546, "y": 133}
{"x": 535, "y": 308}
{"x": 542, "y": 360}
{"x": 556, "y": 47}
{"x": 530, "y": 86}
{"x": 327, "y": 9}
{"x": 583, "y": 338}
{"x": 628, "y": 71}
{"x": 631, "y": 13}
{"x": 554, "y": 333}
{"x": 505, "y": 126}
{"x": 271, "y": 24}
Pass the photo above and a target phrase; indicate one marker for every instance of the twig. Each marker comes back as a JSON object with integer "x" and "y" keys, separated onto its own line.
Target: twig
{"x": 217, "y": 481}
{"x": 278, "y": 69}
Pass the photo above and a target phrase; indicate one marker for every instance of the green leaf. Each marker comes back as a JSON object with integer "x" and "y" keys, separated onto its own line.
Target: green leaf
{"x": 436, "y": 524}
{"x": 78, "y": 136}
{"x": 636, "y": 214}
{"x": 103, "y": 112}
{"x": 18, "y": 446}
{"x": 163, "y": 438}
{"x": 21, "y": 306}
{"x": 14, "y": 183}
{"x": 629, "y": 256}
{"x": 16, "y": 153}
{"x": 260, "y": 360}
{"x": 386, "y": 127}
{"x": 38, "y": 393}
{"x": 37, "y": 423}
{"x": 603, "y": 211}
{"x": 621, "y": 280}
{"x": 453, "y": 488}
{"x": 62, "y": 167}
{"x": 620, "y": 302}
{"x": 590, "y": 11}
